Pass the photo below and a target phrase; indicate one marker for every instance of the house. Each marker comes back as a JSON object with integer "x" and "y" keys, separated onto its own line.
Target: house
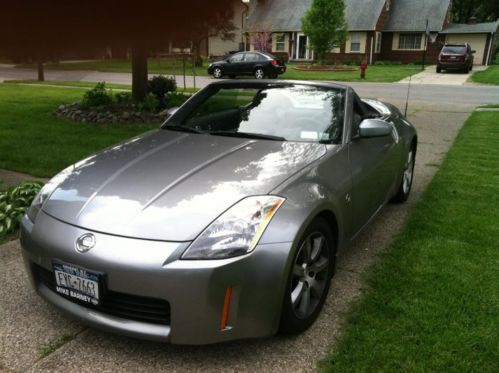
{"x": 392, "y": 30}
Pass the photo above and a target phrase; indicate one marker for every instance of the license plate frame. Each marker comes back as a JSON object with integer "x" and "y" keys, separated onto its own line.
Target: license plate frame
{"x": 78, "y": 283}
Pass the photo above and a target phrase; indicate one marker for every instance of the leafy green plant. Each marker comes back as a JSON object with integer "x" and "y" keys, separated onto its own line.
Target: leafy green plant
{"x": 160, "y": 86}
{"x": 150, "y": 104}
{"x": 175, "y": 99}
{"x": 97, "y": 96}
{"x": 123, "y": 98}
{"x": 13, "y": 205}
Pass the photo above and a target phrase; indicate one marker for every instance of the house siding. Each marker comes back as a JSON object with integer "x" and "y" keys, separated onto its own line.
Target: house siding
{"x": 408, "y": 56}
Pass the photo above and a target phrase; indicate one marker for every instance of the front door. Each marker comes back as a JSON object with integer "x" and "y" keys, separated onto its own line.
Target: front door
{"x": 302, "y": 48}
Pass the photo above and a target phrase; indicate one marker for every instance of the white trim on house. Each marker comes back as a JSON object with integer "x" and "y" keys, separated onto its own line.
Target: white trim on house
{"x": 358, "y": 40}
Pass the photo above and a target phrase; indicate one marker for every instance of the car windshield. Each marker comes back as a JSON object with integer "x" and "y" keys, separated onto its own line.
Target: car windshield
{"x": 454, "y": 49}
{"x": 285, "y": 113}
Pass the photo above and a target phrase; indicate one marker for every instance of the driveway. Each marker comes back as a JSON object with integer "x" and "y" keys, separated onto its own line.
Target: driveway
{"x": 35, "y": 337}
{"x": 430, "y": 76}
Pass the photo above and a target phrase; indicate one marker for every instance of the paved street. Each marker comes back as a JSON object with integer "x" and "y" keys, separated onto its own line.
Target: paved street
{"x": 443, "y": 94}
{"x": 27, "y": 324}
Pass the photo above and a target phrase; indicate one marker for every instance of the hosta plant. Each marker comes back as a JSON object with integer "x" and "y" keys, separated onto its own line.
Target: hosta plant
{"x": 13, "y": 205}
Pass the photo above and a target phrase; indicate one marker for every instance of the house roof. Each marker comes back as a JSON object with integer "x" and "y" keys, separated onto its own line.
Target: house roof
{"x": 285, "y": 15}
{"x": 479, "y": 28}
{"x": 411, "y": 15}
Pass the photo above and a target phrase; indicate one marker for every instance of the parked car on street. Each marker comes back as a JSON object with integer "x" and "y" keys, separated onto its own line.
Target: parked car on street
{"x": 455, "y": 57}
{"x": 226, "y": 222}
{"x": 258, "y": 64}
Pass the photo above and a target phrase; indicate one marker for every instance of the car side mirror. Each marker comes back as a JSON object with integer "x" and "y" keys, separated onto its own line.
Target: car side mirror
{"x": 473, "y": 52}
{"x": 374, "y": 128}
{"x": 228, "y": 60}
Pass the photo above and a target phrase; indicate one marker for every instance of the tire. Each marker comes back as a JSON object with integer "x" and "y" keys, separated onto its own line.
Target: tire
{"x": 309, "y": 278}
{"x": 273, "y": 76}
{"x": 217, "y": 73}
{"x": 259, "y": 73}
{"x": 407, "y": 178}
{"x": 439, "y": 69}
{"x": 232, "y": 77}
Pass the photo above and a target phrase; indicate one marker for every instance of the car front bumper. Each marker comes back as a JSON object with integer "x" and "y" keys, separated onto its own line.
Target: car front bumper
{"x": 194, "y": 290}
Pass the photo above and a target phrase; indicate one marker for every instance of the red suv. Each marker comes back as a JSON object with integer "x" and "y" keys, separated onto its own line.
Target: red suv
{"x": 455, "y": 57}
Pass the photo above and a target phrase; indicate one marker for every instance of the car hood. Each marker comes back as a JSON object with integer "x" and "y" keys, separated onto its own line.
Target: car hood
{"x": 169, "y": 185}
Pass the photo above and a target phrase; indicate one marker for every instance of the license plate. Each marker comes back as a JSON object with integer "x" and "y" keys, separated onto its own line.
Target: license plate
{"x": 453, "y": 58}
{"x": 77, "y": 283}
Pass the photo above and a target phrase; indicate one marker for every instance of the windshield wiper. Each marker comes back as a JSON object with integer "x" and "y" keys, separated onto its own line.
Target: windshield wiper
{"x": 183, "y": 129}
{"x": 256, "y": 136}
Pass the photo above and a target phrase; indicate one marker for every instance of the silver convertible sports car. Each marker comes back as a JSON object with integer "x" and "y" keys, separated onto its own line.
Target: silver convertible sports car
{"x": 224, "y": 223}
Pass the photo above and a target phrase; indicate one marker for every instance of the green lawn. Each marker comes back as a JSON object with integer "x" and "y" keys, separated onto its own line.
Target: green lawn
{"x": 432, "y": 304}
{"x": 33, "y": 141}
{"x": 489, "y": 76}
{"x": 387, "y": 73}
{"x": 78, "y": 84}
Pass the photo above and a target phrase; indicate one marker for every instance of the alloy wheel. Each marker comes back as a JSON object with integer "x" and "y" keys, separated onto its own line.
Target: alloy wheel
{"x": 259, "y": 74}
{"x": 408, "y": 173}
{"x": 217, "y": 73}
{"x": 310, "y": 275}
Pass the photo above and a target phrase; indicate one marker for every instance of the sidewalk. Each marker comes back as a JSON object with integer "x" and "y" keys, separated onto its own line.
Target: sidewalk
{"x": 8, "y": 72}
{"x": 430, "y": 76}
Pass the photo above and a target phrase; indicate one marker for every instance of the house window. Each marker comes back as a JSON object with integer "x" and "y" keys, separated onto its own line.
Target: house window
{"x": 354, "y": 42}
{"x": 387, "y": 5}
{"x": 378, "y": 43}
{"x": 280, "y": 43}
{"x": 410, "y": 41}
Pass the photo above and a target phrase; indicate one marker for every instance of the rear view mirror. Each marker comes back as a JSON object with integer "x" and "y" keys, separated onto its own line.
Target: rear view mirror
{"x": 374, "y": 128}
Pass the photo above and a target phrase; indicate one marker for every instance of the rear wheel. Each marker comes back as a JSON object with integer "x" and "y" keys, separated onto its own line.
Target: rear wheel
{"x": 407, "y": 178}
{"x": 273, "y": 76}
{"x": 439, "y": 69}
{"x": 217, "y": 73}
{"x": 259, "y": 74}
{"x": 310, "y": 277}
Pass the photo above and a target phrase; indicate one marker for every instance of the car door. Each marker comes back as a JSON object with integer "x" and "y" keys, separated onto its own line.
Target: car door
{"x": 235, "y": 64}
{"x": 250, "y": 60}
{"x": 374, "y": 164}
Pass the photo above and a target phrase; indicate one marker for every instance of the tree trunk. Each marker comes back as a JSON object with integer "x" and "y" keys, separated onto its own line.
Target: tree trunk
{"x": 139, "y": 73}
{"x": 41, "y": 72}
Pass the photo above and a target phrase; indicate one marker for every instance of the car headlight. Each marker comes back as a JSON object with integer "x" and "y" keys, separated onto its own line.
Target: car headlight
{"x": 46, "y": 192}
{"x": 237, "y": 231}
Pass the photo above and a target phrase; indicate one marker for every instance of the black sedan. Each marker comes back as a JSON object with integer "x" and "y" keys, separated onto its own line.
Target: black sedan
{"x": 258, "y": 64}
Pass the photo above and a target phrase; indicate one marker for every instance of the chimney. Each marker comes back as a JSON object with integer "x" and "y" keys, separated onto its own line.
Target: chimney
{"x": 472, "y": 20}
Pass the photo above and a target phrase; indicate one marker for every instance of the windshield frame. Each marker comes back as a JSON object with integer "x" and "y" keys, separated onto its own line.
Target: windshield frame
{"x": 179, "y": 117}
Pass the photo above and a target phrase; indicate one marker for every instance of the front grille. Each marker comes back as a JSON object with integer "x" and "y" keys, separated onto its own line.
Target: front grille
{"x": 126, "y": 306}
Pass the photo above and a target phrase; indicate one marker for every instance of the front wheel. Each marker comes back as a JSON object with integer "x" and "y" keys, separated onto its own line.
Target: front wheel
{"x": 309, "y": 278}
{"x": 439, "y": 69}
{"x": 407, "y": 178}
{"x": 259, "y": 74}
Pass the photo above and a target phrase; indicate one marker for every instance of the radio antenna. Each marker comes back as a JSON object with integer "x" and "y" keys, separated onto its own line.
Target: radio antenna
{"x": 408, "y": 94}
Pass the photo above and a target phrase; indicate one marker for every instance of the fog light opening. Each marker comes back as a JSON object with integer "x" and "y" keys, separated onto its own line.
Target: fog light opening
{"x": 225, "y": 310}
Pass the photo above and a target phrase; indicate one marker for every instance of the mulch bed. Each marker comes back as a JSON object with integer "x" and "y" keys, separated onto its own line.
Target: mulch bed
{"x": 325, "y": 68}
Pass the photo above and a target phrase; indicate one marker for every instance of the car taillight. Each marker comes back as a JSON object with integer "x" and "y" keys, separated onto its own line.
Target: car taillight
{"x": 275, "y": 63}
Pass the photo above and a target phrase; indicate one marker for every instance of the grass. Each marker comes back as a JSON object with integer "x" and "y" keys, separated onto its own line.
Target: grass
{"x": 387, "y": 73}
{"x": 433, "y": 302}
{"x": 78, "y": 84}
{"x": 33, "y": 141}
{"x": 489, "y": 76}
{"x": 52, "y": 346}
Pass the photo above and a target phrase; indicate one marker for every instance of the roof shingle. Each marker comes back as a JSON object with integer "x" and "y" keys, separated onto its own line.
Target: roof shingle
{"x": 411, "y": 15}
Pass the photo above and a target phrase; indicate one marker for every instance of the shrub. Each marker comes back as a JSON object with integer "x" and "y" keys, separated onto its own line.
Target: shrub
{"x": 123, "y": 98}
{"x": 175, "y": 99}
{"x": 161, "y": 85}
{"x": 97, "y": 96}
{"x": 150, "y": 104}
{"x": 13, "y": 205}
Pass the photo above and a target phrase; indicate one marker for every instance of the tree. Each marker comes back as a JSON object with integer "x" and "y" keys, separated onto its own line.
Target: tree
{"x": 325, "y": 25}
{"x": 483, "y": 10}
{"x": 262, "y": 39}
{"x": 40, "y": 31}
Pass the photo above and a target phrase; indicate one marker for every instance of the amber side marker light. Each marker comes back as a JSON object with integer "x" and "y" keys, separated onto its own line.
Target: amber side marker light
{"x": 225, "y": 310}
